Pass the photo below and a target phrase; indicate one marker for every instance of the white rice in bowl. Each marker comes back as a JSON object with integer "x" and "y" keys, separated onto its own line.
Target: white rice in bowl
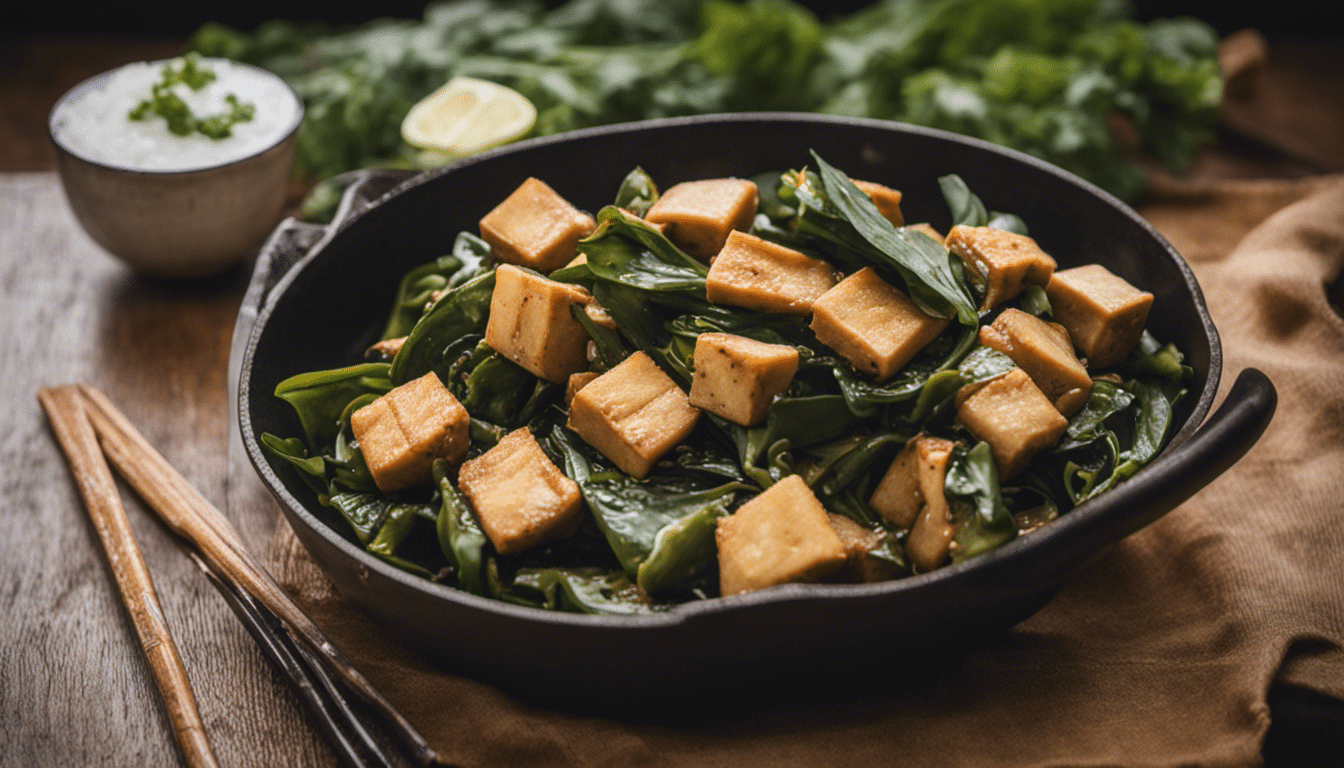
{"x": 92, "y": 121}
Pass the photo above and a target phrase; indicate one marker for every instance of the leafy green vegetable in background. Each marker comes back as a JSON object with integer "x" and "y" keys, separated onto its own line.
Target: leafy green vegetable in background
{"x": 1047, "y": 77}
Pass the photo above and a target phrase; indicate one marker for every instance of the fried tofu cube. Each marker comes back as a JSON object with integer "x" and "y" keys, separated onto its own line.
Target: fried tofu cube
{"x": 433, "y": 421}
{"x": 1014, "y": 417}
{"x": 783, "y": 535}
{"x": 872, "y": 324}
{"x": 928, "y": 229}
{"x": 521, "y": 499}
{"x": 1003, "y": 262}
{"x": 394, "y": 466}
{"x": 887, "y": 200}
{"x": 1044, "y": 351}
{"x": 633, "y": 413}
{"x": 861, "y": 564}
{"x": 899, "y": 495}
{"x": 698, "y": 215}
{"x": 757, "y": 274}
{"x": 402, "y": 432}
{"x": 530, "y": 324}
{"x": 576, "y": 382}
{"x": 930, "y": 537}
{"x": 536, "y": 227}
{"x": 1103, "y": 312}
{"x": 737, "y": 378}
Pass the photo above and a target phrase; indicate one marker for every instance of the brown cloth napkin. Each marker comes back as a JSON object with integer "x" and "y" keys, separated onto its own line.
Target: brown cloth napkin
{"x": 1160, "y": 654}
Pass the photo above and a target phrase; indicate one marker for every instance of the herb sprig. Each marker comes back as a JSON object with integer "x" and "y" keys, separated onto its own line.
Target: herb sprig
{"x": 165, "y": 102}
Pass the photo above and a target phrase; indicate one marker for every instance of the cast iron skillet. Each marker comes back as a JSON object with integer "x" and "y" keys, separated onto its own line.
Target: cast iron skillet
{"x": 324, "y": 310}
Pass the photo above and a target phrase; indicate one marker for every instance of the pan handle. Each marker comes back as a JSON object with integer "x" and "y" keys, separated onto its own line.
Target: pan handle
{"x": 1218, "y": 444}
{"x": 1157, "y": 489}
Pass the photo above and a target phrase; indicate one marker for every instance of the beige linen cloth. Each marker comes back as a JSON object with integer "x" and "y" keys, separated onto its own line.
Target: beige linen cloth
{"x": 1160, "y": 654}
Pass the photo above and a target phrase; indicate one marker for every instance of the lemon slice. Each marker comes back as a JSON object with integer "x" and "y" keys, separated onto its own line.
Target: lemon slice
{"x": 468, "y": 115}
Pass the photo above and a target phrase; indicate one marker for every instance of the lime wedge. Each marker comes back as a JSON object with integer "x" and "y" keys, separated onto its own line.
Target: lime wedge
{"x": 468, "y": 115}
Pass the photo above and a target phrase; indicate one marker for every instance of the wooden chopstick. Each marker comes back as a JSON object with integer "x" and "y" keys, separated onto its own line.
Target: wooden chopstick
{"x": 319, "y": 693}
{"x": 194, "y": 518}
{"x": 65, "y": 410}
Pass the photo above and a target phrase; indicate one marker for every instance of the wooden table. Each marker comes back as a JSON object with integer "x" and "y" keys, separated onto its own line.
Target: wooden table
{"x": 74, "y": 687}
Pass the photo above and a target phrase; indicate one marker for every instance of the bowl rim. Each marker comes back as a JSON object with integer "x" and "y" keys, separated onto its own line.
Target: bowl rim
{"x": 94, "y": 80}
{"x": 1081, "y": 516}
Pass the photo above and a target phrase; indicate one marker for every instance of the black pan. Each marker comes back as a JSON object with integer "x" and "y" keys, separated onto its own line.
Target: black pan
{"x": 323, "y": 311}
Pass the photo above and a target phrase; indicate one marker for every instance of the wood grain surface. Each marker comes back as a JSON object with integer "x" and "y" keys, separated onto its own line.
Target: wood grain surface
{"x": 74, "y": 687}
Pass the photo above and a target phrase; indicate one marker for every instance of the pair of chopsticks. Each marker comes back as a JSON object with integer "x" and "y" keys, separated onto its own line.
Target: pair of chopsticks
{"x": 92, "y": 433}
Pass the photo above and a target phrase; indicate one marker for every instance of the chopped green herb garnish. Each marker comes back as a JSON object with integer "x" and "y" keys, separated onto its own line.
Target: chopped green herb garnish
{"x": 165, "y": 102}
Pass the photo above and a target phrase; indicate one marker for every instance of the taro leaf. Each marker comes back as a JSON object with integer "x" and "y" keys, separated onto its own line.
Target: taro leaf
{"x": 982, "y": 364}
{"x": 463, "y": 310}
{"x": 632, "y": 513}
{"x": 683, "y": 549}
{"x": 944, "y": 352}
{"x": 496, "y": 390}
{"x": 1088, "y": 425}
{"x": 923, "y": 263}
{"x": 637, "y": 192}
{"x": 396, "y": 527}
{"x": 582, "y": 590}
{"x": 1034, "y": 301}
{"x": 364, "y": 511}
{"x": 768, "y": 200}
{"x": 627, "y": 250}
{"x": 415, "y": 292}
{"x": 313, "y": 469}
{"x": 1007, "y": 222}
{"x": 799, "y": 421}
{"x": 320, "y": 397}
{"x": 460, "y": 536}
{"x": 1151, "y": 358}
{"x": 967, "y": 208}
{"x": 980, "y": 521}
{"x": 844, "y": 470}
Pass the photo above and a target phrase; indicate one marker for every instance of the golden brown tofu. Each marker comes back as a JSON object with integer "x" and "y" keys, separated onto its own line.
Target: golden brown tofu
{"x": 927, "y": 229}
{"x": 887, "y": 200}
{"x": 872, "y": 324}
{"x": 394, "y": 466}
{"x": 521, "y": 499}
{"x": 386, "y": 350}
{"x": 861, "y": 564}
{"x": 1004, "y": 262}
{"x": 1014, "y": 417}
{"x": 535, "y": 227}
{"x": 1044, "y": 351}
{"x": 599, "y": 315}
{"x": 1103, "y": 312}
{"x": 783, "y": 535}
{"x": 737, "y": 378}
{"x": 897, "y": 497}
{"x": 698, "y": 215}
{"x": 434, "y": 422}
{"x": 931, "y": 536}
{"x": 530, "y": 324}
{"x": 767, "y": 277}
{"x": 402, "y": 432}
{"x": 576, "y": 382}
{"x": 633, "y": 413}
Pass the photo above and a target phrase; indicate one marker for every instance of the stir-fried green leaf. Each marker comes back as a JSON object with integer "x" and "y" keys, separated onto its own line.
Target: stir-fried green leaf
{"x": 980, "y": 521}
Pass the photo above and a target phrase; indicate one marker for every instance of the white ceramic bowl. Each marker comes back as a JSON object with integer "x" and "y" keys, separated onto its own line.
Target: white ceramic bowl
{"x": 196, "y": 220}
